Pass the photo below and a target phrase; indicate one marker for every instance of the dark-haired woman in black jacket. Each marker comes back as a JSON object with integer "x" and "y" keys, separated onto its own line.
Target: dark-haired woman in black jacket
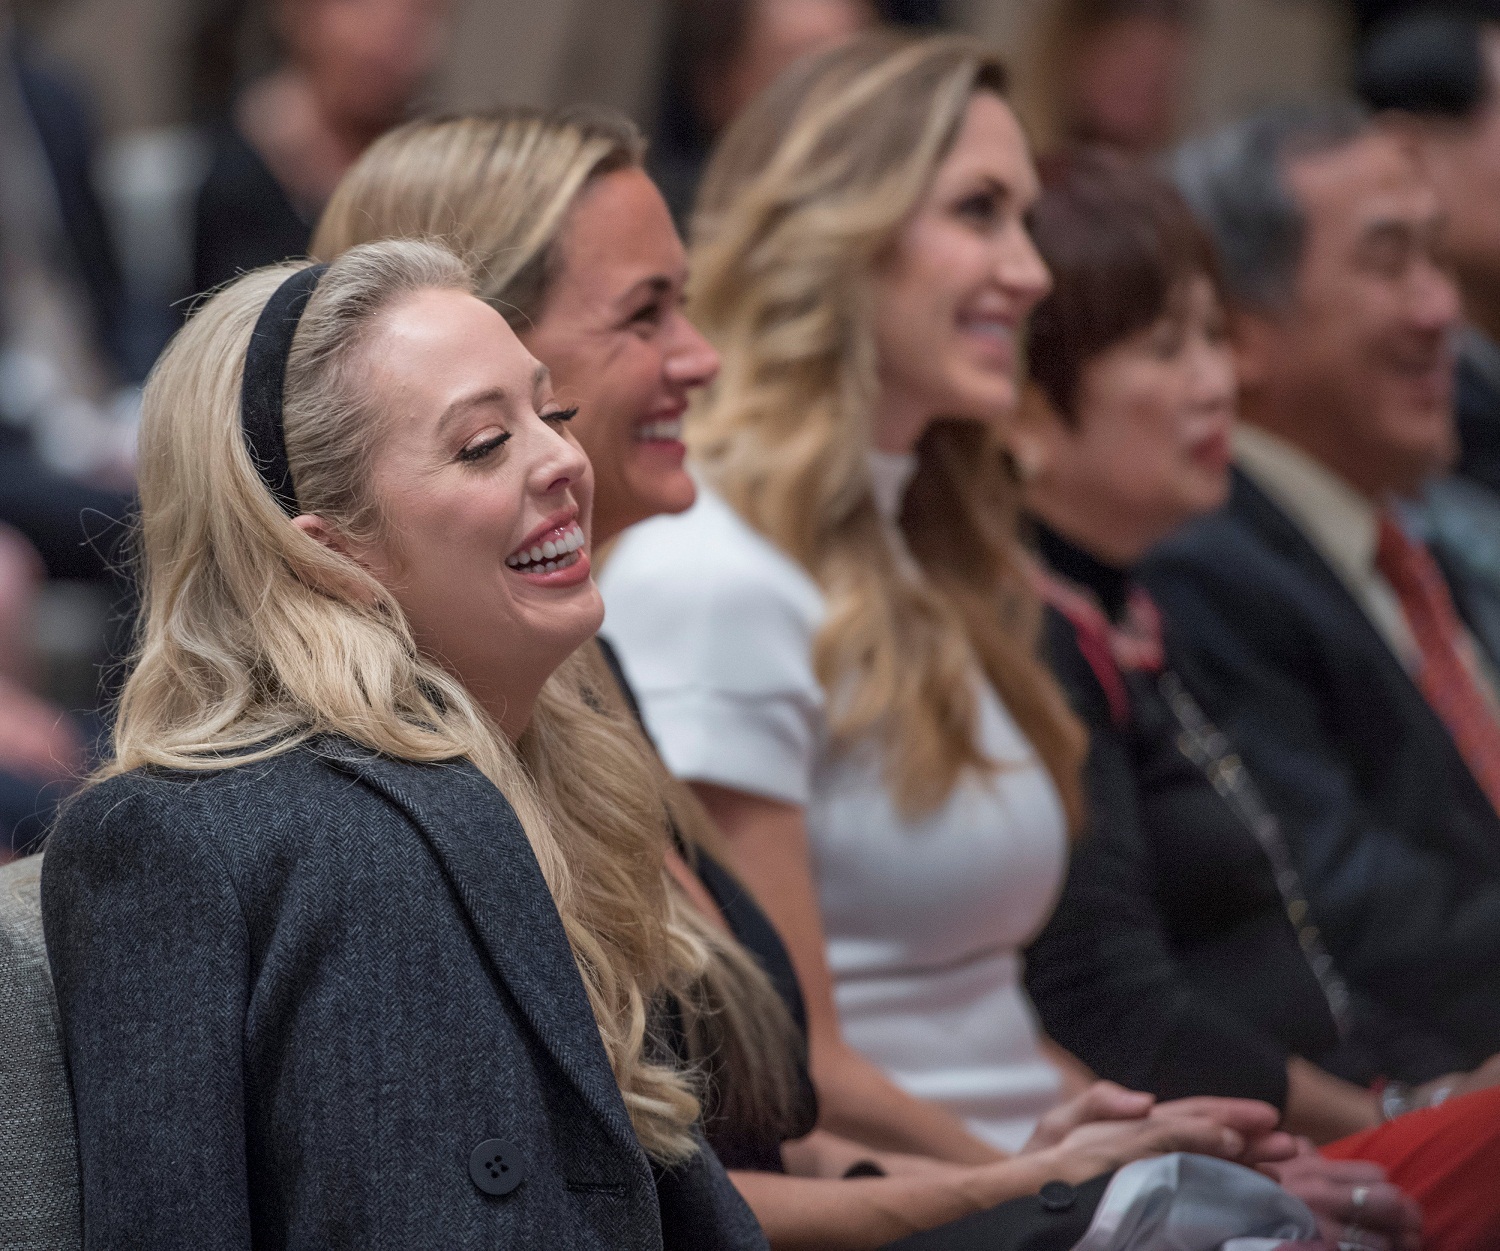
{"x": 1183, "y": 957}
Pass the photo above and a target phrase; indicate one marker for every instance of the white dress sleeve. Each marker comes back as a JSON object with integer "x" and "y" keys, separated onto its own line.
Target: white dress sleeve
{"x": 714, "y": 628}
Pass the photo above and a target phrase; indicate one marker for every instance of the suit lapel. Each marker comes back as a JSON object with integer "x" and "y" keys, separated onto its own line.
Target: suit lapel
{"x": 485, "y": 854}
{"x": 1278, "y": 530}
{"x": 1275, "y": 528}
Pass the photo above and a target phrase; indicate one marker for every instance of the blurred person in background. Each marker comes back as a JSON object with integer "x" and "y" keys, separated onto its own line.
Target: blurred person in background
{"x": 1316, "y": 630}
{"x": 720, "y": 55}
{"x": 63, "y": 339}
{"x": 1180, "y": 958}
{"x": 1441, "y": 73}
{"x": 1436, "y": 75}
{"x": 351, "y": 70}
{"x": 66, "y": 415}
{"x": 1109, "y": 72}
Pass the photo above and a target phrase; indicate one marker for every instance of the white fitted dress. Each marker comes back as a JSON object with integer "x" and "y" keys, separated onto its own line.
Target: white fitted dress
{"x": 925, "y": 919}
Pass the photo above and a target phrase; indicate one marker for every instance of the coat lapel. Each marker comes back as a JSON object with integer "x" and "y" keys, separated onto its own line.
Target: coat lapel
{"x": 1275, "y": 528}
{"x": 478, "y": 840}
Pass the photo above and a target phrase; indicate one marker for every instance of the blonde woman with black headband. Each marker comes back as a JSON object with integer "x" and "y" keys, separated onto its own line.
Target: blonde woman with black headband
{"x": 357, "y": 935}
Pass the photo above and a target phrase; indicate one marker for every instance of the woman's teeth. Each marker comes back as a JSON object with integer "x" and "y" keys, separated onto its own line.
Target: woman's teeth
{"x": 557, "y": 552}
{"x": 991, "y": 328}
{"x": 663, "y": 431}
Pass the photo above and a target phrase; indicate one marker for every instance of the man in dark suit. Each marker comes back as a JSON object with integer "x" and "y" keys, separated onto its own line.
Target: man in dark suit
{"x": 1322, "y": 637}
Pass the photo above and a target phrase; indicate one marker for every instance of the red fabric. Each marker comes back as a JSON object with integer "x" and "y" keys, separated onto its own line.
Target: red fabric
{"x": 1447, "y": 683}
{"x": 1135, "y": 645}
{"x": 1446, "y": 1158}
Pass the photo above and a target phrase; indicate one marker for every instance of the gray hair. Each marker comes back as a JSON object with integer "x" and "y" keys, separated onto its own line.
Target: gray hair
{"x": 1235, "y": 182}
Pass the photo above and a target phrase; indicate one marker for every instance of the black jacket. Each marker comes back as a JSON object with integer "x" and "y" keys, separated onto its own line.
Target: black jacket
{"x": 66, "y": 133}
{"x": 242, "y": 218}
{"x": 1169, "y": 964}
{"x": 1398, "y": 846}
{"x": 326, "y": 1001}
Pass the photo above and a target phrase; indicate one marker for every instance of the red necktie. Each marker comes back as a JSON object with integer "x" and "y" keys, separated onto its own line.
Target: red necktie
{"x": 1446, "y": 681}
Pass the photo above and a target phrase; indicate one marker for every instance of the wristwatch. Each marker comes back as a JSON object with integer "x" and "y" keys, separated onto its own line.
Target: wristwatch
{"x": 1397, "y": 1099}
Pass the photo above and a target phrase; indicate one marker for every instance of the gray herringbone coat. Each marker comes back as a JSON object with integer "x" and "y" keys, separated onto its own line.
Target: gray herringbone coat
{"x": 38, "y": 1152}
{"x": 297, "y": 995}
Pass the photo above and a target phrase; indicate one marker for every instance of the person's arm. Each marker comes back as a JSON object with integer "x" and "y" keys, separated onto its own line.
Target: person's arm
{"x": 148, "y": 950}
{"x": 1103, "y": 975}
{"x": 768, "y": 845}
{"x": 1323, "y": 1107}
{"x": 863, "y": 1213}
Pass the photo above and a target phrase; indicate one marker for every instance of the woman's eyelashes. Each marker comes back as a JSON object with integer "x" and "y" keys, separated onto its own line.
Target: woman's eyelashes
{"x": 647, "y": 319}
{"x": 484, "y": 445}
{"x": 984, "y": 210}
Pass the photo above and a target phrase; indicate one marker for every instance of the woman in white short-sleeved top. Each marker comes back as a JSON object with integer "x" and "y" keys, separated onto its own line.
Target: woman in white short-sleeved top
{"x": 835, "y": 643}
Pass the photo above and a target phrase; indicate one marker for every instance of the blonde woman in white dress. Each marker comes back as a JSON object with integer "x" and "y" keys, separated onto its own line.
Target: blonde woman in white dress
{"x": 834, "y": 645}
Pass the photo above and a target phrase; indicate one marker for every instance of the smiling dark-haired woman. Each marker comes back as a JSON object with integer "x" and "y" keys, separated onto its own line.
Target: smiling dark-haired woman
{"x": 1183, "y": 957}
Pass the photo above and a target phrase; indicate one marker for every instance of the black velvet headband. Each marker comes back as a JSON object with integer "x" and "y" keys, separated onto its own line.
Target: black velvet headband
{"x": 265, "y": 380}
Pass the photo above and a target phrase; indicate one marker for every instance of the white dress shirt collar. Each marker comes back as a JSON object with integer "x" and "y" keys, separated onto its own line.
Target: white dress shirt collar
{"x": 1341, "y": 523}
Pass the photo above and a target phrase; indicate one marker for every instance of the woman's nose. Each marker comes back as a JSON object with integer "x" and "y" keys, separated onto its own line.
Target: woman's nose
{"x": 1214, "y": 380}
{"x": 1021, "y": 270}
{"x": 562, "y": 464}
{"x": 691, "y": 359}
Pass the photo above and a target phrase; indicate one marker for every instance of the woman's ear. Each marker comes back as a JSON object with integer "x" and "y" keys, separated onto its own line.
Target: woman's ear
{"x": 343, "y": 584}
{"x": 321, "y": 532}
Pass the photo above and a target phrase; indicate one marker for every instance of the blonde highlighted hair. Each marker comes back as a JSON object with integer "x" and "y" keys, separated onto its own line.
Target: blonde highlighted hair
{"x": 494, "y": 188}
{"x": 801, "y": 202}
{"x": 254, "y": 638}
{"x": 498, "y": 188}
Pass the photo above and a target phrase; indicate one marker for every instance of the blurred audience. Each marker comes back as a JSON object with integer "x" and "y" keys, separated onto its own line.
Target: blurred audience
{"x": 66, "y": 422}
{"x": 1110, "y": 72}
{"x": 1320, "y": 635}
{"x": 720, "y": 55}
{"x": 351, "y": 70}
{"x": 1437, "y": 76}
{"x": 1180, "y": 958}
{"x": 1442, "y": 74}
{"x": 62, "y": 331}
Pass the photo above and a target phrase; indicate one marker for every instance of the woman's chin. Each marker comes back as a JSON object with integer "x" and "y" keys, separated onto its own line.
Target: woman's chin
{"x": 982, "y": 396}
{"x": 574, "y": 621}
{"x": 658, "y": 492}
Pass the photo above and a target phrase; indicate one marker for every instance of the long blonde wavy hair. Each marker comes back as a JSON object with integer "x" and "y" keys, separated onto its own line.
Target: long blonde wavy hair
{"x": 254, "y": 638}
{"x": 498, "y": 188}
{"x": 801, "y": 202}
